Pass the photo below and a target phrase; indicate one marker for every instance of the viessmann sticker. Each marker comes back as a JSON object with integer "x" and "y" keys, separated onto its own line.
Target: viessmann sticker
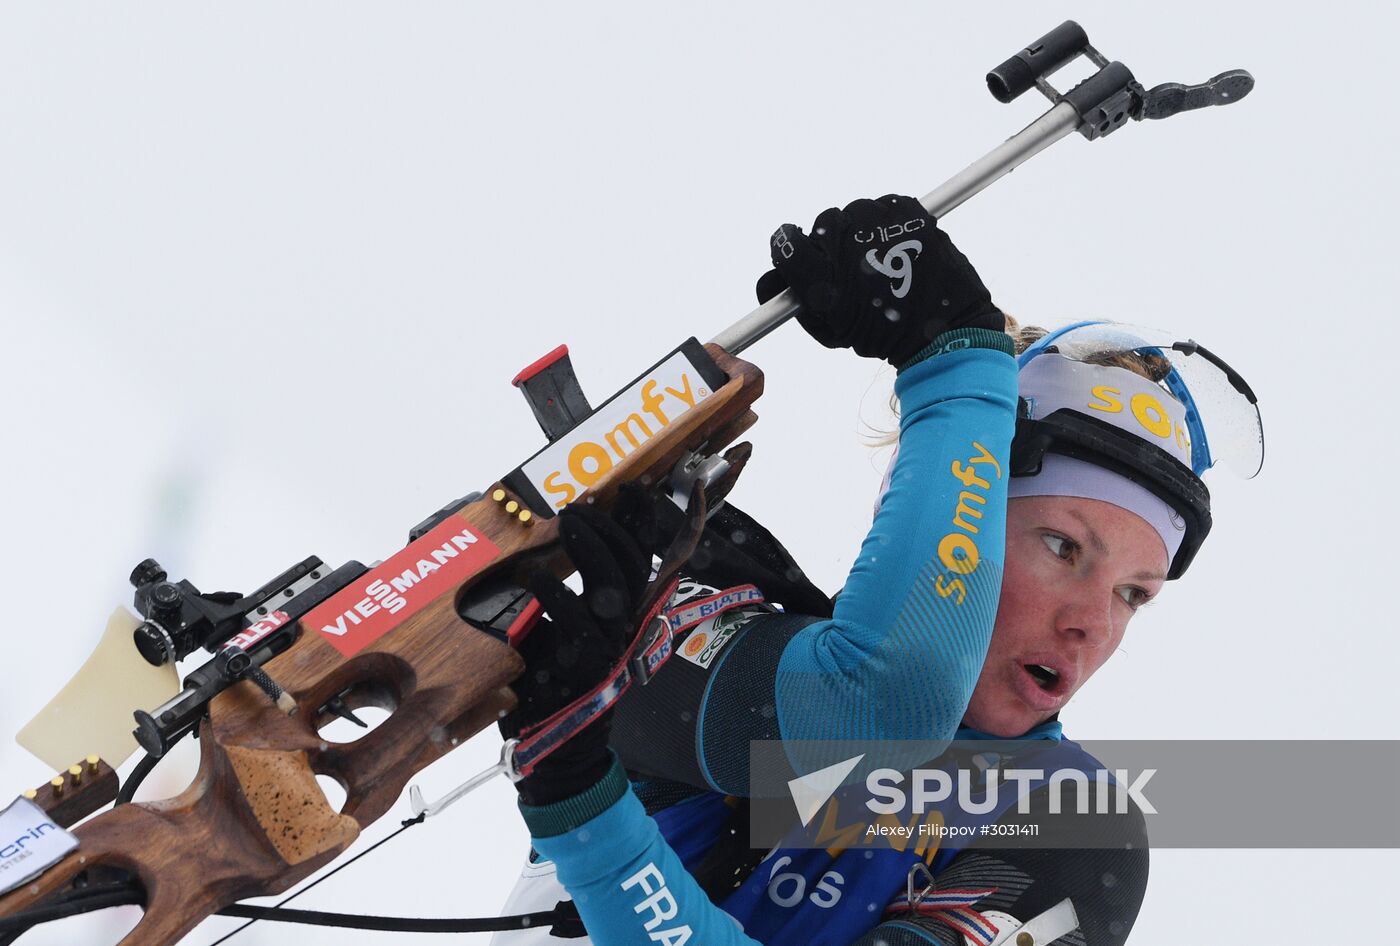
{"x": 585, "y": 454}
{"x": 386, "y": 596}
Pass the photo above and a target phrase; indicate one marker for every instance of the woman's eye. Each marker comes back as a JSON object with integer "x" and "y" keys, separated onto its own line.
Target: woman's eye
{"x": 1060, "y": 546}
{"x": 1134, "y": 597}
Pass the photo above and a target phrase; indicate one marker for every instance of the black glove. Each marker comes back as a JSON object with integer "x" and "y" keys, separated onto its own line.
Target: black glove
{"x": 582, "y": 640}
{"x": 878, "y": 277}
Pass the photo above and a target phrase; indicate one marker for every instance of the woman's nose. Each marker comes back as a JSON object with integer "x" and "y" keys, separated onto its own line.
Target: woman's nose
{"x": 1087, "y": 615}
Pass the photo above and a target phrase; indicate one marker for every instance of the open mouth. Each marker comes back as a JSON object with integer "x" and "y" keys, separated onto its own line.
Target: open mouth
{"x": 1047, "y": 677}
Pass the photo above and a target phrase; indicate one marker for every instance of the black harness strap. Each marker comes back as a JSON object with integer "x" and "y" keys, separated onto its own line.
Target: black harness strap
{"x": 563, "y": 919}
{"x": 401, "y": 924}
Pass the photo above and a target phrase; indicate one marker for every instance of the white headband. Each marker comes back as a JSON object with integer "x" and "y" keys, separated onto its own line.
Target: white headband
{"x": 1117, "y": 396}
{"x": 1051, "y": 382}
{"x": 1123, "y": 398}
{"x": 1065, "y": 476}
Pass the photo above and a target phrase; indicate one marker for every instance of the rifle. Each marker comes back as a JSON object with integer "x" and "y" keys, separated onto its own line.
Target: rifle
{"x": 426, "y": 635}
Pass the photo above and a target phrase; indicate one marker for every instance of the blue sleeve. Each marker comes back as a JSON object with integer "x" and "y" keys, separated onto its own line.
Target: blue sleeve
{"x": 903, "y": 650}
{"x": 627, "y": 882}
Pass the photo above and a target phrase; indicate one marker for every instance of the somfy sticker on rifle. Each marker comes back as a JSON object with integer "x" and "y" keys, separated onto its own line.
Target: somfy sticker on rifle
{"x": 578, "y": 459}
{"x": 30, "y": 843}
{"x": 386, "y": 596}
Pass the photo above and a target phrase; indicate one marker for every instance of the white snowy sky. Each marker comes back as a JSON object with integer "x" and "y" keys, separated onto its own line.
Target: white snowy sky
{"x": 266, "y": 270}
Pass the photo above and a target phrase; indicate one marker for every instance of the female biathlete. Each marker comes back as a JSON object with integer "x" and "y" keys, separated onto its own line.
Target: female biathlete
{"x": 1042, "y": 491}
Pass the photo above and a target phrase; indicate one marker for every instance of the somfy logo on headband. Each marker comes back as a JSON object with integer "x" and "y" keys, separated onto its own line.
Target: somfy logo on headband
{"x": 1149, "y": 412}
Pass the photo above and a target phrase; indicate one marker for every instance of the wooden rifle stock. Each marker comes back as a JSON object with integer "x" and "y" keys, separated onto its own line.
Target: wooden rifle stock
{"x": 254, "y": 821}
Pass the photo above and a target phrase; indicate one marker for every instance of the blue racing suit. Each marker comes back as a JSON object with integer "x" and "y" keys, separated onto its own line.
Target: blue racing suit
{"x": 893, "y": 667}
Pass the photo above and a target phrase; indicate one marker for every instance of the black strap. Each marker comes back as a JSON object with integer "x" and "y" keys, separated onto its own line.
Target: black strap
{"x": 563, "y": 918}
{"x": 81, "y": 900}
{"x": 400, "y": 924}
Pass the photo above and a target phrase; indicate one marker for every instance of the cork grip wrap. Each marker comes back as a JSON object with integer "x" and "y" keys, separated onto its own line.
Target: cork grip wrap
{"x": 254, "y": 820}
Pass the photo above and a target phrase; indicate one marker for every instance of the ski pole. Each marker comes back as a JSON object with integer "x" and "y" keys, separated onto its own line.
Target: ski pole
{"x": 1096, "y": 107}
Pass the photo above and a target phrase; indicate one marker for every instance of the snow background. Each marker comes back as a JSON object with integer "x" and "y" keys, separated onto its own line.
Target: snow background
{"x": 266, "y": 271}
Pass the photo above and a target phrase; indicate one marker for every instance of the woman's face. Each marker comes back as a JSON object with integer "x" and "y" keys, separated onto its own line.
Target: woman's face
{"x": 1076, "y": 570}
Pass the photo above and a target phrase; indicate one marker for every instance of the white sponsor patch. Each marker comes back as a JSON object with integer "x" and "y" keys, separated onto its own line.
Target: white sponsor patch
{"x": 618, "y": 429}
{"x": 30, "y": 843}
{"x": 703, "y": 644}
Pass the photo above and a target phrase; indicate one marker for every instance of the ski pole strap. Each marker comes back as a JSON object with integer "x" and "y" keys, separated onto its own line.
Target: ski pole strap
{"x": 696, "y": 612}
{"x": 647, "y": 652}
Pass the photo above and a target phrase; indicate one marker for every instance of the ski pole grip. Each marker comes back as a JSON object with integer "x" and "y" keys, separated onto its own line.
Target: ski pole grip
{"x": 1037, "y": 61}
{"x": 1001, "y": 160}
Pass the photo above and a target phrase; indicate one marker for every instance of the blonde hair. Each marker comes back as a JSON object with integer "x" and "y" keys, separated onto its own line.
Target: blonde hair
{"x": 1152, "y": 367}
